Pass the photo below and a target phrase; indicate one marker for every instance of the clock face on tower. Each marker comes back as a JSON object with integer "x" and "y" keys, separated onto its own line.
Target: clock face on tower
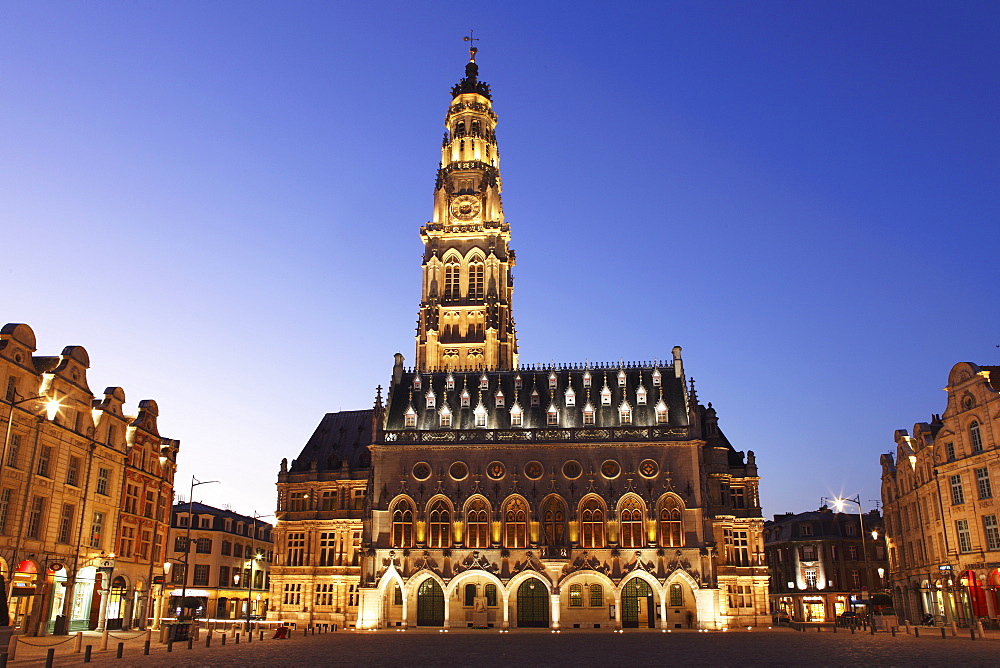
{"x": 465, "y": 207}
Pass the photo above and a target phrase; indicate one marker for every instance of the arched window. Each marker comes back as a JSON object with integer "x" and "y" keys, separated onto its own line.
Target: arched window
{"x": 490, "y": 592}
{"x": 470, "y": 595}
{"x": 460, "y": 128}
{"x": 591, "y": 524}
{"x": 477, "y": 279}
{"x": 596, "y": 596}
{"x": 451, "y": 278}
{"x": 671, "y": 534}
{"x": 554, "y": 521}
{"x": 440, "y": 525}
{"x": 975, "y": 437}
{"x": 515, "y": 524}
{"x": 477, "y": 524}
{"x": 676, "y": 595}
{"x": 576, "y": 596}
{"x": 475, "y": 127}
{"x": 631, "y": 533}
{"x": 402, "y": 525}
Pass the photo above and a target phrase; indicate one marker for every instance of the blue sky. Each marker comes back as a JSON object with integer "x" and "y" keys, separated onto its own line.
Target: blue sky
{"x": 220, "y": 201}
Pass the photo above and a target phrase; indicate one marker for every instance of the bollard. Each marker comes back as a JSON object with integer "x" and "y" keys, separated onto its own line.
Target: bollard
{"x": 145, "y": 648}
{"x": 262, "y": 635}
{"x": 237, "y": 637}
{"x": 916, "y": 631}
{"x": 50, "y": 655}
{"x": 223, "y": 639}
{"x": 972, "y": 632}
{"x": 104, "y": 639}
{"x": 86, "y": 653}
{"x": 892, "y": 629}
{"x": 943, "y": 633}
{"x": 3, "y": 659}
{"x": 852, "y": 630}
{"x": 208, "y": 639}
{"x": 190, "y": 642}
{"x": 170, "y": 645}
{"x": 121, "y": 650}
{"x": 79, "y": 642}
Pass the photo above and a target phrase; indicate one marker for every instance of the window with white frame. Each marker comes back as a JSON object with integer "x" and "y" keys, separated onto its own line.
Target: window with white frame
{"x": 975, "y": 437}
{"x": 656, "y": 377}
{"x": 586, "y": 379}
{"x": 444, "y": 417}
{"x": 484, "y": 382}
{"x": 957, "y": 494}
{"x": 431, "y": 399}
{"x": 552, "y": 416}
{"x": 517, "y": 382}
{"x": 553, "y": 380}
{"x": 983, "y": 483}
{"x": 465, "y": 399}
{"x": 515, "y": 415}
{"x": 662, "y": 414}
{"x": 625, "y": 413}
{"x": 410, "y": 417}
{"x": 621, "y": 378}
{"x": 992, "y": 531}
{"x": 480, "y": 416}
{"x": 588, "y": 414}
{"x": 640, "y": 396}
{"x": 534, "y": 397}
{"x": 964, "y": 535}
{"x": 499, "y": 399}
{"x": 606, "y": 396}
{"x": 570, "y": 396}
{"x": 449, "y": 382}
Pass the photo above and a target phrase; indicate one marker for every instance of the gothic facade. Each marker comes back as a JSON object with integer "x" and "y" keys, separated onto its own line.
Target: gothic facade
{"x": 572, "y": 495}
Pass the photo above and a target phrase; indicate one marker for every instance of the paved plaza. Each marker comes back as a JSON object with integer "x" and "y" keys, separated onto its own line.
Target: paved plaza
{"x": 569, "y": 648}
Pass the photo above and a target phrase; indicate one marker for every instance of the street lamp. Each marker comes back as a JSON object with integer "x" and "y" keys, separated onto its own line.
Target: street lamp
{"x": 839, "y": 505}
{"x": 254, "y": 555}
{"x": 187, "y": 547}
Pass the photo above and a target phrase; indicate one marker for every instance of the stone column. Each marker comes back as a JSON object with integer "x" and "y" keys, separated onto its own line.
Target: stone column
{"x": 618, "y": 610}
{"x": 102, "y": 615}
{"x": 554, "y": 606}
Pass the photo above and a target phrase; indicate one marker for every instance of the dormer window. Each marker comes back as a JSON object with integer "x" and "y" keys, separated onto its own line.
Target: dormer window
{"x": 588, "y": 414}
{"x": 621, "y": 378}
{"x": 586, "y": 378}
{"x": 515, "y": 415}
{"x": 480, "y": 415}
{"x": 640, "y": 395}
{"x": 416, "y": 382}
{"x": 465, "y": 398}
{"x": 410, "y": 417}
{"x": 534, "y": 397}
{"x": 484, "y": 382}
{"x": 449, "y": 382}
{"x": 656, "y": 377}
{"x": 570, "y": 397}
{"x": 606, "y": 396}
{"x": 431, "y": 399}
{"x": 499, "y": 398}
{"x": 552, "y": 380}
{"x": 625, "y": 413}
{"x": 444, "y": 417}
{"x": 552, "y": 416}
{"x": 662, "y": 413}
{"x": 517, "y": 382}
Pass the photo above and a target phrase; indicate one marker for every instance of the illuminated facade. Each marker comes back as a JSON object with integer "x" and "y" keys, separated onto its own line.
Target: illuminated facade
{"x": 940, "y": 513}
{"x": 824, "y": 563}
{"x": 83, "y": 493}
{"x": 571, "y": 495}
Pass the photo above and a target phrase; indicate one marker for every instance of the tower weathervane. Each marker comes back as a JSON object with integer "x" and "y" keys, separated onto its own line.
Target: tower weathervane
{"x": 472, "y": 49}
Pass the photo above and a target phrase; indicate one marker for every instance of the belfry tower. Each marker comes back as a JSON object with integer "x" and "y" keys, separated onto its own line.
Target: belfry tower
{"x": 465, "y": 319}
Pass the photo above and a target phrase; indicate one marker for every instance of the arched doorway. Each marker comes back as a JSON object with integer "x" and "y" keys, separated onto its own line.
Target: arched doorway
{"x": 532, "y": 604}
{"x": 430, "y": 604}
{"x": 116, "y": 603}
{"x": 638, "y": 607}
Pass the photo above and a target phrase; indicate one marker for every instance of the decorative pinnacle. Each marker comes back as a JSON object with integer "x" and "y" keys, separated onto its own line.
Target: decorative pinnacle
{"x": 472, "y": 49}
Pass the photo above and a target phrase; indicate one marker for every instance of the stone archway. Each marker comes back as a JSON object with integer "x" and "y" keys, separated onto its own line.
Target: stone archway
{"x": 638, "y": 605}
{"x": 430, "y": 603}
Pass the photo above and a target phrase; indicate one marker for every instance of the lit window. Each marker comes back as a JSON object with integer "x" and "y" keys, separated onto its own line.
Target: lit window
{"x": 451, "y": 273}
{"x": 552, "y": 416}
{"x": 625, "y": 413}
{"x": 445, "y": 417}
{"x": 596, "y": 596}
{"x": 402, "y": 525}
{"x": 439, "y": 525}
{"x": 606, "y": 396}
{"x": 576, "y": 596}
{"x": 640, "y": 396}
{"x": 449, "y": 382}
{"x": 480, "y": 415}
{"x": 588, "y": 414}
{"x": 431, "y": 399}
{"x": 662, "y": 414}
{"x": 591, "y": 524}
{"x": 516, "y": 524}
{"x": 631, "y": 532}
{"x": 484, "y": 382}
{"x": 477, "y": 525}
{"x": 476, "y": 280}
{"x": 656, "y": 377}
{"x": 410, "y": 417}
{"x": 671, "y": 534}
{"x": 570, "y": 397}
{"x": 499, "y": 398}
{"x": 465, "y": 398}
{"x": 515, "y": 415}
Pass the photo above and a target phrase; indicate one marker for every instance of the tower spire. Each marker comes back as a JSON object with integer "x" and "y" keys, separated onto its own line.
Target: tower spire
{"x": 465, "y": 319}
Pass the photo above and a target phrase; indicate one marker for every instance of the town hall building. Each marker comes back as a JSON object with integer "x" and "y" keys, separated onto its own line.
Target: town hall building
{"x": 489, "y": 493}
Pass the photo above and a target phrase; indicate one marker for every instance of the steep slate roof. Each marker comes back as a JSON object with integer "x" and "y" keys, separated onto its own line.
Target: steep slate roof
{"x": 404, "y": 394}
{"x": 339, "y": 438}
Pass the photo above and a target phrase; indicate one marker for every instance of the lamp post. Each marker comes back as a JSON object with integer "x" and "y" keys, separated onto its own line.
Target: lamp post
{"x": 253, "y": 557}
{"x": 187, "y": 547}
{"x": 856, "y": 500}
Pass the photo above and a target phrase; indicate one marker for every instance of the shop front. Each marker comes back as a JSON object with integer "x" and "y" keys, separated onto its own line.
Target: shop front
{"x": 23, "y": 586}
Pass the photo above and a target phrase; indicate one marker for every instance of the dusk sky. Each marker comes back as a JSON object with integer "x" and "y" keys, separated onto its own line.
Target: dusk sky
{"x": 220, "y": 201}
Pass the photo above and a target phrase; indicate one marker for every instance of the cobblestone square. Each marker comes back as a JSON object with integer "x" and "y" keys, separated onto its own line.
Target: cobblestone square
{"x": 569, "y": 648}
